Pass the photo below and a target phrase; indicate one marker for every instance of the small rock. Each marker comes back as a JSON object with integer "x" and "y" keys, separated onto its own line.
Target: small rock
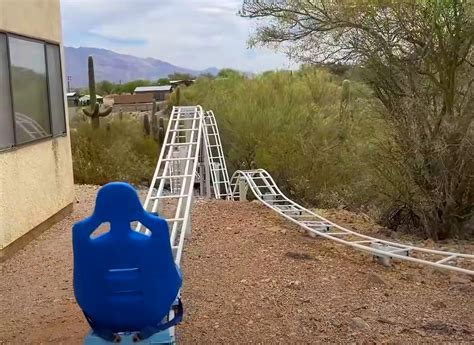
{"x": 283, "y": 231}
{"x": 359, "y": 323}
{"x": 467, "y": 288}
{"x": 439, "y": 326}
{"x": 377, "y": 279}
{"x": 456, "y": 279}
{"x": 439, "y": 304}
{"x": 294, "y": 284}
{"x": 387, "y": 320}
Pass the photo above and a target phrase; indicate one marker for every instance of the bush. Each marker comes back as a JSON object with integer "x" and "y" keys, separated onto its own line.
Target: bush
{"x": 118, "y": 151}
{"x": 293, "y": 125}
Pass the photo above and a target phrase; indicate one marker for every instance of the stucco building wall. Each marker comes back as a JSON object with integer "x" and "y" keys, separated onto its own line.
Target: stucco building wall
{"x": 36, "y": 179}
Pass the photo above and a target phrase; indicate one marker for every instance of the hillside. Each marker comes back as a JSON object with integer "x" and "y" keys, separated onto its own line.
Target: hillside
{"x": 116, "y": 67}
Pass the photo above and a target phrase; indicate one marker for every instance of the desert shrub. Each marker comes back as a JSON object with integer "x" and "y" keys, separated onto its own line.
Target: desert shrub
{"x": 417, "y": 56}
{"x": 118, "y": 151}
{"x": 291, "y": 124}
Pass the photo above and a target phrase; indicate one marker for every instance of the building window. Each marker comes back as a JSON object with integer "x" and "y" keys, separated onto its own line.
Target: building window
{"x": 31, "y": 88}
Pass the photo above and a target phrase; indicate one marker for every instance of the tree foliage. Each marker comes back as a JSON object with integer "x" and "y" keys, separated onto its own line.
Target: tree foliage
{"x": 180, "y": 76}
{"x": 130, "y": 86}
{"x": 163, "y": 81}
{"x": 288, "y": 123}
{"x": 105, "y": 87}
{"x": 418, "y": 58}
{"x": 229, "y": 73}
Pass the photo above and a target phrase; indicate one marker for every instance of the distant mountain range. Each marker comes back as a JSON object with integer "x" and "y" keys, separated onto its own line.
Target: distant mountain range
{"x": 115, "y": 67}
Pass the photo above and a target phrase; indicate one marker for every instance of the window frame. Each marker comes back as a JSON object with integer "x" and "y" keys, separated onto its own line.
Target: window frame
{"x": 44, "y": 42}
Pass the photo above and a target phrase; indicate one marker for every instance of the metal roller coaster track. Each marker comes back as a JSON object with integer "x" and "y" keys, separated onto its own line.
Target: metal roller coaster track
{"x": 175, "y": 172}
{"x": 265, "y": 190}
{"x": 191, "y": 130}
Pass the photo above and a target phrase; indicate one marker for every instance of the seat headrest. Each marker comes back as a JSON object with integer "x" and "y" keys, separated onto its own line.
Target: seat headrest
{"x": 126, "y": 204}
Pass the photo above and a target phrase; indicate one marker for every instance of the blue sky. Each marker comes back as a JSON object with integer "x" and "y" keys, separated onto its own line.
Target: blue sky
{"x": 190, "y": 33}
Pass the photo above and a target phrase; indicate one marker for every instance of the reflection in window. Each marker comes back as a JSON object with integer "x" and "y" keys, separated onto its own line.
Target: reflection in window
{"x": 56, "y": 93}
{"x": 30, "y": 89}
{"x": 6, "y": 118}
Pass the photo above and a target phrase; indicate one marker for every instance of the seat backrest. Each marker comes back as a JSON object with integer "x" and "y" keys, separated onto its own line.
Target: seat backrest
{"x": 124, "y": 280}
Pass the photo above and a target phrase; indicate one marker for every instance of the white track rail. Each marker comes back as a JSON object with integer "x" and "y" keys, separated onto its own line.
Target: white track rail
{"x": 265, "y": 189}
{"x": 215, "y": 156}
{"x": 175, "y": 173}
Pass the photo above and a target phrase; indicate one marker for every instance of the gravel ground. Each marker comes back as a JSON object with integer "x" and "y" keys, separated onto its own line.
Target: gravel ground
{"x": 250, "y": 277}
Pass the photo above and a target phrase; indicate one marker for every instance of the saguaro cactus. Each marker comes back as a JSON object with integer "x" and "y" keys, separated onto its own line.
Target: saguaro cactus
{"x": 345, "y": 97}
{"x": 161, "y": 131}
{"x": 154, "y": 122}
{"x": 178, "y": 96}
{"x": 146, "y": 125}
{"x": 346, "y": 91}
{"x": 94, "y": 111}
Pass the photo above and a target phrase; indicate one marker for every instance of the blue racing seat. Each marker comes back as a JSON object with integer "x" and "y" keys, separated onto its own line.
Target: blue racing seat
{"x": 124, "y": 281}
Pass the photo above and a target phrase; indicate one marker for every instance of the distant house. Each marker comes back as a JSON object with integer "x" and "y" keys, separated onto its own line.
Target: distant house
{"x": 136, "y": 102}
{"x": 160, "y": 93}
{"x": 73, "y": 99}
{"x": 133, "y": 99}
{"x": 86, "y": 100}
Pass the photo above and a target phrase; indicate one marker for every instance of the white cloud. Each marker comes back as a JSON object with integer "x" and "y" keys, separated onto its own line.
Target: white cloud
{"x": 191, "y": 33}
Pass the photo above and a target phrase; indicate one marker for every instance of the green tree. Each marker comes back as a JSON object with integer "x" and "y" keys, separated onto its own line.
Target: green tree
{"x": 130, "y": 86}
{"x": 180, "y": 76}
{"x": 288, "y": 123}
{"x": 105, "y": 87}
{"x": 207, "y": 75}
{"x": 163, "y": 81}
{"x": 418, "y": 58}
{"x": 229, "y": 73}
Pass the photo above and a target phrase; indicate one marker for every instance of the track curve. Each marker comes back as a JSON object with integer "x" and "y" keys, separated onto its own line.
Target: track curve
{"x": 266, "y": 191}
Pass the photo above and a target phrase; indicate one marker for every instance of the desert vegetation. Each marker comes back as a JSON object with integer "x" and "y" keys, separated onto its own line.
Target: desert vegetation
{"x": 394, "y": 139}
{"x": 124, "y": 150}
{"x": 120, "y": 150}
{"x": 314, "y": 131}
{"x": 378, "y": 118}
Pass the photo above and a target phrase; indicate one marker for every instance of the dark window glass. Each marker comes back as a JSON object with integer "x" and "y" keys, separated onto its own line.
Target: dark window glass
{"x": 30, "y": 89}
{"x": 6, "y": 116}
{"x": 56, "y": 92}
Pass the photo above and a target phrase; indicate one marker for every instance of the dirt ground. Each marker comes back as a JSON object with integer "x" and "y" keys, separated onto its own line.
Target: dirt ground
{"x": 250, "y": 277}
